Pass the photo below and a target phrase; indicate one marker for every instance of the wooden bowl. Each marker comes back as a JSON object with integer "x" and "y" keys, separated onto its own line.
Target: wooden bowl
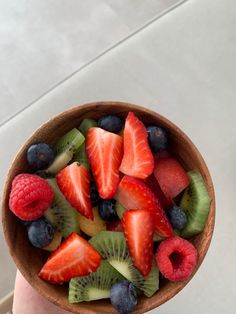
{"x": 29, "y": 260}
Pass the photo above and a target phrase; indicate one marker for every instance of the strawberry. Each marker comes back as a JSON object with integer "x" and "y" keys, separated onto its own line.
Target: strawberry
{"x": 138, "y": 160}
{"x": 74, "y": 183}
{"x": 105, "y": 151}
{"x": 115, "y": 226}
{"x": 138, "y": 230}
{"x": 74, "y": 257}
{"x": 154, "y": 186}
{"x": 171, "y": 176}
{"x": 133, "y": 193}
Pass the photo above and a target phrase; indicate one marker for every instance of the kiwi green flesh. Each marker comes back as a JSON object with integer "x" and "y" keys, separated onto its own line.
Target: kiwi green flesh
{"x": 112, "y": 246}
{"x": 81, "y": 157}
{"x": 86, "y": 124}
{"x": 71, "y": 141}
{"x": 177, "y": 232}
{"x": 61, "y": 214}
{"x": 65, "y": 148}
{"x": 95, "y": 286}
{"x": 157, "y": 238}
{"x": 119, "y": 210}
{"x": 60, "y": 162}
{"x": 196, "y": 203}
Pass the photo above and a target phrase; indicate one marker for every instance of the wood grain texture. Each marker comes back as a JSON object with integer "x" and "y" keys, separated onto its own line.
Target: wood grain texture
{"x": 29, "y": 260}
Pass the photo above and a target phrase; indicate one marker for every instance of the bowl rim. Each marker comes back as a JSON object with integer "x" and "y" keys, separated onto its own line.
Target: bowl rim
{"x": 121, "y": 104}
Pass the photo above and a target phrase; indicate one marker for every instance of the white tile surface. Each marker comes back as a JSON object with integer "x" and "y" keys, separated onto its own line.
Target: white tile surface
{"x": 182, "y": 66}
{"x": 44, "y": 41}
{"x": 132, "y": 13}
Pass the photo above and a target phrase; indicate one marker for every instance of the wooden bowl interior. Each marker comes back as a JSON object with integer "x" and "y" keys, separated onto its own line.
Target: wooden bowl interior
{"x": 29, "y": 260}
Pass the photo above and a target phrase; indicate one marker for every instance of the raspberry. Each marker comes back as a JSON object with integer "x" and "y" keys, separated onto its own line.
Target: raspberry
{"x": 30, "y": 196}
{"x": 176, "y": 258}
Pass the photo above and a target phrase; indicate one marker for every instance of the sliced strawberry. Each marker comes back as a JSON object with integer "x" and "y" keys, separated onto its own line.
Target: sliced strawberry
{"x": 74, "y": 182}
{"x": 138, "y": 230}
{"x": 154, "y": 186}
{"x": 171, "y": 176}
{"x": 105, "y": 151}
{"x": 74, "y": 257}
{"x": 138, "y": 160}
{"x": 115, "y": 226}
{"x": 133, "y": 193}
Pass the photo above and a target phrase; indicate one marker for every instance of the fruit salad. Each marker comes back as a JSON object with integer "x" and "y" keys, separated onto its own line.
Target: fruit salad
{"x": 113, "y": 208}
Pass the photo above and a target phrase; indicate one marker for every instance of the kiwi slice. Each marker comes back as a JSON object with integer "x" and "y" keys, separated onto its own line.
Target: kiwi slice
{"x": 95, "y": 286}
{"x": 119, "y": 210}
{"x": 177, "y": 232}
{"x": 196, "y": 203}
{"x": 81, "y": 156}
{"x": 112, "y": 247}
{"x": 86, "y": 124}
{"x": 157, "y": 238}
{"x": 64, "y": 149}
{"x": 61, "y": 214}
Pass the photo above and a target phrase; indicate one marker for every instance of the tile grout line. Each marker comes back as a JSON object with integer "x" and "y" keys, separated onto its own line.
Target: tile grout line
{"x": 97, "y": 57}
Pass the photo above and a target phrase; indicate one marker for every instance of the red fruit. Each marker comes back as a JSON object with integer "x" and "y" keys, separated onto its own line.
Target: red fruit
{"x": 161, "y": 154}
{"x": 138, "y": 230}
{"x": 115, "y": 226}
{"x": 30, "y": 196}
{"x": 154, "y": 186}
{"x": 171, "y": 176}
{"x": 176, "y": 258}
{"x": 138, "y": 160}
{"x": 133, "y": 193}
{"x": 105, "y": 151}
{"x": 74, "y": 257}
{"x": 74, "y": 183}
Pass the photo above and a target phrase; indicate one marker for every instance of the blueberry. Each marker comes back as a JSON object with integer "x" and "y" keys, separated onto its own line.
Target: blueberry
{"x": 124, "y": 297}
{"x": 107, "y": 211}
{"x": 40, "y": 156}
{"x": 94, "y": 195}
{"x": 157, "y": 137}
{"x": 40, "y": 233}
{"x": 110, "y": 123}
{"x": 177, "y": 217}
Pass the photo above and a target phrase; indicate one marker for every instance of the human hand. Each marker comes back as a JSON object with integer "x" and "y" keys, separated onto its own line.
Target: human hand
{"x": 27, "y": 300}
